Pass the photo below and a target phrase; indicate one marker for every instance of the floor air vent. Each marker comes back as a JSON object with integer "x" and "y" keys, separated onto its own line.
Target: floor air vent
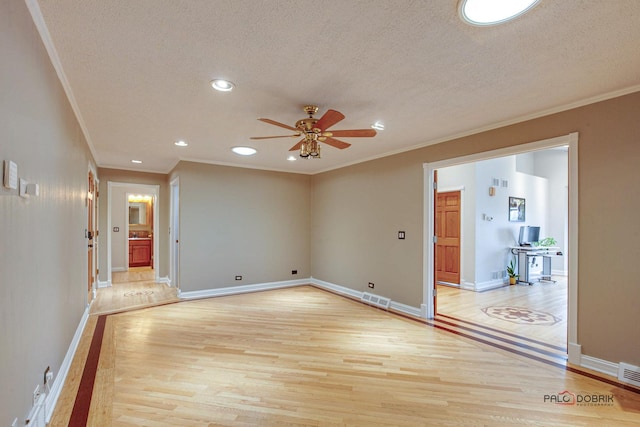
{"x": 376, "y": 300}
{"x": 629, "y": 374}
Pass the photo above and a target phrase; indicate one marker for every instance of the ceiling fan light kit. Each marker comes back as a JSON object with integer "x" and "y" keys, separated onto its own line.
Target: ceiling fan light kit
{"x": 314, "y": 131}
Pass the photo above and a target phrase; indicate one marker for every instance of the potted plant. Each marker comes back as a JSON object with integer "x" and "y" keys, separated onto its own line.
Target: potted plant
{"x": 511, "y": 272}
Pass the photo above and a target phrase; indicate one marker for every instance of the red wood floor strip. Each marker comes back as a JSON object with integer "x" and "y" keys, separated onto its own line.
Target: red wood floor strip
{"x": 80, "y": 413}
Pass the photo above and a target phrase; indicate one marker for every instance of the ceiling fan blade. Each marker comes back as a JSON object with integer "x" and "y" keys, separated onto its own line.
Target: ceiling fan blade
{"x": 270, "y": 137}
{"x": 352, "y": 133}
{"x": 282, "y": 125}
{"x": 330, "y": 118}
{"x": 336, "y": 143}
{"x": 297, "y": 146}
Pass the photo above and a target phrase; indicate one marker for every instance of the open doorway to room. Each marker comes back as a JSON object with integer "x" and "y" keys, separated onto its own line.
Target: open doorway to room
{"x": 133, "y": 257}
{"x": 486, "y": 240}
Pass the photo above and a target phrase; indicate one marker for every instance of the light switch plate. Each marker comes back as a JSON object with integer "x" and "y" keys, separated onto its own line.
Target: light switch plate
{"x": 10, "y": 174}
{"x": 23, "y": 188}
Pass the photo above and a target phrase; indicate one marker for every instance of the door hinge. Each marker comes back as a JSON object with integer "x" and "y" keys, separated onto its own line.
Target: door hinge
{"x": 435, "y": 239}
{"x": 435, "y": 185}
{"x": 97, "y": 194}
{"x": 435, "y": 292}
{"x": 97, "y": 233}
{"x": 97, "y": 271}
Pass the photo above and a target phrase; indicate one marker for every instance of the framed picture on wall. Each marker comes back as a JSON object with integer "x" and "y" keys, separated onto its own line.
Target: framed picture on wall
{"x": 516, "y": 209}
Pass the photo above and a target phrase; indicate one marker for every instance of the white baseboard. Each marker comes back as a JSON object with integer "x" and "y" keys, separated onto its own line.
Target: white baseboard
{"x": 564, "y": 273}
{"x": 106, "y": 284}
{"x": 491, "y": 284}
{"x": 114, "y": 269}
{"x": 403, "y": 308}
{"x": 233, "y": 290}
{"x": 574, "y": 352}
{"x": 336, "y": 288}
{"x": 164, "y": 280}
{"x": 56, "y": 388}
{"x": 468, "y": 286}
{"x": 604, "y": 366}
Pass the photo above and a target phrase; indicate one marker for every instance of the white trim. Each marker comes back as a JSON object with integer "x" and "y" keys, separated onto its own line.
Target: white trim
{"x": 468, "y": 286}
{"x": 572, "y": 282}
{"x": 336, "y": 288}
{"x": 604, "y": 366}
{"x": 56, "y": 388}
{"x": 574, "y": 351}
{"x": 174, "y": 233}
{"x": 451, "y": 189}
{"x": 106, "y": 284}
{"x": 413, "y": 311}
{"x": 164, "y": 280}
{"x": 490, "y": 284}
{"x": 428, "y": 227}
{"x": 235, "y": 290}
{"x": 118, "y": 269}
{"x": 397, "y": 306}
{"x": 38, "y": 20}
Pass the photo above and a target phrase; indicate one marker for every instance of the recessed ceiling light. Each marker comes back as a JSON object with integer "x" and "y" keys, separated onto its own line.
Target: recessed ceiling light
{"x": 244, "y": 151}
{"x": 180, "y": 143}
{"x": 378, "y": 126}
{"x": 136, "y": 161}
{"x": 291, "y": 158}
{"x": 222, "y": 85}
{"x": 492, "y": 12}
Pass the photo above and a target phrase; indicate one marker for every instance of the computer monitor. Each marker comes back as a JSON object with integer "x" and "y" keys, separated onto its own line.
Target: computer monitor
{"x": 528, "y": 235}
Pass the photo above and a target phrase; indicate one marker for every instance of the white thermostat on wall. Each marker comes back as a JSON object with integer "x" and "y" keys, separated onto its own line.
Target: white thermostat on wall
{"x": 10, "y": 174}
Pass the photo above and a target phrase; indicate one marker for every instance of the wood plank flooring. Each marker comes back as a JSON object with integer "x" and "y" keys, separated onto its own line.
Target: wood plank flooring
{"x": 545, "y": 318}
{"x": 305, "y": 357}
{"x": 132, "y": 290}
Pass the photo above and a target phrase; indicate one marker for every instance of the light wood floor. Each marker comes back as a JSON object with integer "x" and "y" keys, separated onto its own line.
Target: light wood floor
{"x": 305, "y": 357}
{"x": 543, "y": 297}
{"x": 130, "y": 290}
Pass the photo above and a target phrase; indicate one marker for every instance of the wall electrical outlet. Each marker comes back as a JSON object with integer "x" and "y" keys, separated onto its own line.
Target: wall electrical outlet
{"x": 294, "y": 271}
{"x": 371, "y": 285}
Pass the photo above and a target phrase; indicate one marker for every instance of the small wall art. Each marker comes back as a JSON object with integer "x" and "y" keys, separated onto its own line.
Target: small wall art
{"x": 516, "y": 209}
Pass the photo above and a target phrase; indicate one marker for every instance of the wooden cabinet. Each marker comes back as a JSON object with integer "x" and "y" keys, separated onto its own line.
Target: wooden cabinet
{"x": 140, "y": 252}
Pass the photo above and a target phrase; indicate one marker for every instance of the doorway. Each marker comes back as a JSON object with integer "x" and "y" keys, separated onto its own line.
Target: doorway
{"x": 447, "y": 255}
{"x": 142, "y": 231}
{"x": 571, "y": 140}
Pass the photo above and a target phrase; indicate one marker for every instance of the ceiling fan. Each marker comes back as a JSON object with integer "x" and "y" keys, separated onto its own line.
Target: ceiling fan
{"x": 314, "y": 131}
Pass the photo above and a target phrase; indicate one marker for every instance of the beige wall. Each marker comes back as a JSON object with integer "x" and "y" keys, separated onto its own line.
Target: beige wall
{"x": 358, "y": 209}
{"x": 43, "y": 250}
{"x": 162, "y": 229}
{"x": 243, "y": 222}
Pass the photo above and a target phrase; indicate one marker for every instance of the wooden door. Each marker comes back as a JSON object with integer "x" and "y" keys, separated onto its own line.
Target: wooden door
{"x": 90, "y": 235}
{"x": 448, "y": 237}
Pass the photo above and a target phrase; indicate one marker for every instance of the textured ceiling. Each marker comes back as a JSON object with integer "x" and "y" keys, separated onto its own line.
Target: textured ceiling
{"x": 139, "y": 71}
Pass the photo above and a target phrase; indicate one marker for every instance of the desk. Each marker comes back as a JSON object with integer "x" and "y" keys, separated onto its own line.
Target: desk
{"x": 526, "y": 254}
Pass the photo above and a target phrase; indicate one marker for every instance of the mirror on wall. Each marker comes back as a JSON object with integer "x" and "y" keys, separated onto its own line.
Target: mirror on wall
{"x": 140, "y": 210}
{"x": 137, "y": 213}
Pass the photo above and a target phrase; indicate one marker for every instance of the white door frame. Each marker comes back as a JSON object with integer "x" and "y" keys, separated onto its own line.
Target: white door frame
{"x": 154, "y": 190}
{"x": 427, "y": 309}
{"x": 174, "y": 234}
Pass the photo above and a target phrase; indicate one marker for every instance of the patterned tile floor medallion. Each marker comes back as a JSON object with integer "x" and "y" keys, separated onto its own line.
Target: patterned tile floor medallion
{"x": 521, "y": 315}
